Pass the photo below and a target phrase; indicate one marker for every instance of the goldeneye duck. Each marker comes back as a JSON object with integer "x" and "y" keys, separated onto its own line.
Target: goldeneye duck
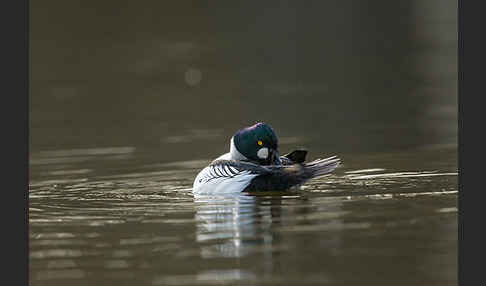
{"x": 254, "y": 164}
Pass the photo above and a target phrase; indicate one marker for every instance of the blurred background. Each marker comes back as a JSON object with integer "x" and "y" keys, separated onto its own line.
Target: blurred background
{"x": 176, "y": 79}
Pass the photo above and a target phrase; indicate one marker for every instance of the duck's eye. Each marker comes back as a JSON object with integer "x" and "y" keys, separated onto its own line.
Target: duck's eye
{"x": 260, "y": 143}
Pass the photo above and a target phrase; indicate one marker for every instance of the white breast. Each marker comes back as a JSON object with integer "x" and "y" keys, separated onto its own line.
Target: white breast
{"x": 221, "y": 180}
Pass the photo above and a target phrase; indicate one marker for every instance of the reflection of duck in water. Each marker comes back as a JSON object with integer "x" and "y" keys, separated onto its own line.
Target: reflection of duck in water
{"x": 236, "y": 225}
{"x": 253, "y": 164}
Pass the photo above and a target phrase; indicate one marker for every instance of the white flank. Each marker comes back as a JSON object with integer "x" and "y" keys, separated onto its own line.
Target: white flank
{"x": 221, "y": 185}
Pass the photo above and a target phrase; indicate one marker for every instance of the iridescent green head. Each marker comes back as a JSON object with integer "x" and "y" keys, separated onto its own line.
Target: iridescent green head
{"x": 258, "y": 143}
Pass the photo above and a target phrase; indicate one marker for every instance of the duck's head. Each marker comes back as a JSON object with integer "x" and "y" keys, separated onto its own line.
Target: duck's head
{"x": 258, "y": 143}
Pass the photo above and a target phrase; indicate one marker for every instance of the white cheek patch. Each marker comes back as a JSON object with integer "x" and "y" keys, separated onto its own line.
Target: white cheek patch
{"x": 262, "y": 153}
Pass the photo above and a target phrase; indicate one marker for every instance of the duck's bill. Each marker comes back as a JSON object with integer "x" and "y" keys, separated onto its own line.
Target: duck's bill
{"x": 274, "y": 158}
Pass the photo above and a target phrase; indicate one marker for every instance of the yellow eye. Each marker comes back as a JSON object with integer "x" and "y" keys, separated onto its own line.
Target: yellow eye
{"x": 260, "y": 142}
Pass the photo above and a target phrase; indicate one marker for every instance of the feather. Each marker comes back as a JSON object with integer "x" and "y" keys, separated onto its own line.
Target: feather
{"x": 281, "y": 178}
{"x": 297, "y": 156}
{"x": 224, "y": 176}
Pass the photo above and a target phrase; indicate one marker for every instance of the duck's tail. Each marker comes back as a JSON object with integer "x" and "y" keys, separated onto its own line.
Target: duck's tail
{"x": 280, "y": 178}
{"x": 320, "y": 167}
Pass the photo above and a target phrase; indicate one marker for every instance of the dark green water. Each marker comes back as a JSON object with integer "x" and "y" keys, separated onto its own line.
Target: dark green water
{"x": 129, "y": 101}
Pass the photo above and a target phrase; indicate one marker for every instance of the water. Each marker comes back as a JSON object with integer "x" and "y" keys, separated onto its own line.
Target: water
{"x": 369, "y": 223}
{"x": 129, "y": 101}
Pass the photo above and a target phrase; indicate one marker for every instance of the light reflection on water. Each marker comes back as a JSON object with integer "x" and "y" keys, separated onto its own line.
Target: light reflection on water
{"x": 144, "y": 226}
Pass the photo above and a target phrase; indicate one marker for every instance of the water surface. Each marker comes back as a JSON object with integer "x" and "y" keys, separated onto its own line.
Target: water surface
{"x": 380, "y": 219}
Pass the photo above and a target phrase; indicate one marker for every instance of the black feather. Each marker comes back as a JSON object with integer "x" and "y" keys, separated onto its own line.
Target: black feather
{"x": 297, "y": 156}
{"x": 275, "y": 178}
{"x": 285, "y": 177}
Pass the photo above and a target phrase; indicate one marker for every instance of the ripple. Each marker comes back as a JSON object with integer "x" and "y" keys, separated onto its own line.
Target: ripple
{"x": 61, "y": 274}
{"x": 87, "y": 151}
{"x": 194, "y": 135}
{"x": 57, "y": 157}
{"x": 116, "y": 264}
{"x": 61, "y": 263}
{"x": 448, "y": 210}
{"x": 365, "y": 171}
{"x": 214, "y": 277}
{"x": 403, "y": 175}
{"x": 151, "y": 240}
{"x": 49, "y": 253}
{"x": 69, "y": 172}
{"x": 325, "y": 227}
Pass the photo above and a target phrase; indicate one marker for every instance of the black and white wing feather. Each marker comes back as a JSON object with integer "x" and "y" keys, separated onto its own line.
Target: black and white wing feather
{"x": 226, "y": 176}
{"x": 229, "y": 176}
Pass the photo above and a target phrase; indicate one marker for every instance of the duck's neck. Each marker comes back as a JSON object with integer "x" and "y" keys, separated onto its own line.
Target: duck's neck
{"x": 235, "y": 154}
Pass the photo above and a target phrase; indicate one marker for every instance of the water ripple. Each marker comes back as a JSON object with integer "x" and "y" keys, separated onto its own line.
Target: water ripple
{"x": 146, "y": 222}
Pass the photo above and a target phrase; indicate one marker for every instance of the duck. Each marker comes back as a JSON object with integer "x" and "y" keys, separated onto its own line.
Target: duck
{"x": 253, "y": 164}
